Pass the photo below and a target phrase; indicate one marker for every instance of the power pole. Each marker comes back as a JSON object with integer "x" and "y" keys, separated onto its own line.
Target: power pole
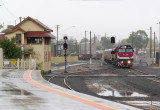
{"x": 85, "y": 44}
{"x": 150, "y": 42}
{"x": 90, "y": 50}
{"x": 57, "y": 26}
{"x": 154, "y": 45}
{"x": 159, "y": 43}
{"x": 3, "y": 25}
{"x": 94, "y": 38}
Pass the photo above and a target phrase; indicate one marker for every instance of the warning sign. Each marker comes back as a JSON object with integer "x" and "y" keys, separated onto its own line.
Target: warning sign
{"x": 13, "y": 61}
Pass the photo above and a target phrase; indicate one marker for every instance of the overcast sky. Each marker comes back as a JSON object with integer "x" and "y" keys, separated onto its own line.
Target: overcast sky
{"x": 113, "y": 17}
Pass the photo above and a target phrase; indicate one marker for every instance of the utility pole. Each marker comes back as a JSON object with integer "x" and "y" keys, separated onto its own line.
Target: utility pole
{"x": 150, "y": 42}
{"x": 57, "y": 26}
{"x": 94, "y": 38}
{"x": 3, "y": 25}
{"x": 85, "y": 44}
{"x": 90, "y": 50}
{"x": 105, "y": 35}
{"x": 159, "y": 43}
{"x": 154, "y": 45}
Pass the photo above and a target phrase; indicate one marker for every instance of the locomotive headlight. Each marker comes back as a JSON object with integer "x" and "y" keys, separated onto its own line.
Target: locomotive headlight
{"x": 122, "y": 62}
{"x": 129, "y": 61}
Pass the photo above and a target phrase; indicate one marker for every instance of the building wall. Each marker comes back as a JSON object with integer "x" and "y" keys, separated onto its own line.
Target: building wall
{"x": 47, "y": 57}
{"x": 62, "y": 59}
{"x": 31, "y": 26}
{"x": 39, "y": 50}
{"x": 43, "y": 54}
{"x": 11, "y": 35}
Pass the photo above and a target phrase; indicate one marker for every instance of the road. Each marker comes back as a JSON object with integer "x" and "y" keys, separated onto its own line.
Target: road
{"x": 27, "y": 90}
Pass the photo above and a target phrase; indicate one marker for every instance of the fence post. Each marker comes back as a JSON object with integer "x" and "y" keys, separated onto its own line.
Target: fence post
{"x": 21, "y": 63}
{"x": 29, "y": 63}
{"x": 1, "y": 58}
{"x": 35, "y": 64}
{"x": 24, "y": 64}
{"x": 18, "y": 63}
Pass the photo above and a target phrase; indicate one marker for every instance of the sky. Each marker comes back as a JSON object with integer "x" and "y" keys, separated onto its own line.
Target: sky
{"x": 114, "y": 17}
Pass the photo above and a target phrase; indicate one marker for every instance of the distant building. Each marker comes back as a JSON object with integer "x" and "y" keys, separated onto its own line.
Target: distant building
{"x": 86, "y": 50}
{"x": 31, "y": 33}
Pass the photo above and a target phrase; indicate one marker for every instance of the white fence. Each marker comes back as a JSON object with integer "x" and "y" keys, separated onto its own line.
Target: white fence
{"x": 19, "y": 64}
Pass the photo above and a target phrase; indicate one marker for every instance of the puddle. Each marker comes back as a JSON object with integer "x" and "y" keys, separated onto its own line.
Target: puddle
{"x": 143, "y": 103}
{"x": 121, "y": 94}
{"x": 109, "y": 91}
{"x": 14, "y": 92}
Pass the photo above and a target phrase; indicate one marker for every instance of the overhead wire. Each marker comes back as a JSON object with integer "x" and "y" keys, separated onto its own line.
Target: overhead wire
{"x": 8, "y": 9}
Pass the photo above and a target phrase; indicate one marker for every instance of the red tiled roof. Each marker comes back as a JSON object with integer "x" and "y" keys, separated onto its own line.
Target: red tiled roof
{"x": 15, "y": 29}
{"x": 38, "y": 34}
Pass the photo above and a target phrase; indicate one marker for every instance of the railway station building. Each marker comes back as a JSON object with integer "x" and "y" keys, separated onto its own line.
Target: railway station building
{"x": 34, "y": 38}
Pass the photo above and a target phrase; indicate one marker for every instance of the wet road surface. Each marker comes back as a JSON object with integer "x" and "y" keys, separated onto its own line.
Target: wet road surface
{"x": 27, "y": 90}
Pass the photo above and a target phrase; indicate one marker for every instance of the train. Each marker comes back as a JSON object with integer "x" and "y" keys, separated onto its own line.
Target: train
{"x": 121, "y": 56}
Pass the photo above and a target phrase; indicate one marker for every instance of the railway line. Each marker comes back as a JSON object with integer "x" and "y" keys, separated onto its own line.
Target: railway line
{"x": 129, "y": 77}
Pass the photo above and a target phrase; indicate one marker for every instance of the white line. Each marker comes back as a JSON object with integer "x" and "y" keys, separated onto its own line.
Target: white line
{"x": 67, "y": 84}
{"x": 51, "y": 78}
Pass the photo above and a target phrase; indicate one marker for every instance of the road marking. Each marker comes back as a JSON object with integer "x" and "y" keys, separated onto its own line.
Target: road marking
{"x": 29, "y": 79}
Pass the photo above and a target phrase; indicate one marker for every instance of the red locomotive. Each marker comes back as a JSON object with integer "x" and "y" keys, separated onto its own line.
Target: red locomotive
{"x": 121, "y": 56}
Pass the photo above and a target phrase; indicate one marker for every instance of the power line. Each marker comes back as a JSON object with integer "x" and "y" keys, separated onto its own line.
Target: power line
{"x": 8, "y": 10}
{"x": 57, "y": 26}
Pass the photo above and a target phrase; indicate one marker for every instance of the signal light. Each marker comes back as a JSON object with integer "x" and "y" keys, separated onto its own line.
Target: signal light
{"x": 65, "y": 46}
{"x": 65, "y": 38}
{"x": 112, "y": 52}
{"x": 112, "y": 40}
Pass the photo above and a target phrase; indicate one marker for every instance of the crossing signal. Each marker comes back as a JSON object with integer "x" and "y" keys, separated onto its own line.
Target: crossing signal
{"x": 112, "y": 40}
{"x": 65, "y": 38}
{"x": 65, "y": 46}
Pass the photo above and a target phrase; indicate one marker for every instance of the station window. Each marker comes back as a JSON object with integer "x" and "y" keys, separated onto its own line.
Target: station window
{"x": 18, "y": 38}
{"x": 47, "y": 41}
{"x": 34, "y": 40}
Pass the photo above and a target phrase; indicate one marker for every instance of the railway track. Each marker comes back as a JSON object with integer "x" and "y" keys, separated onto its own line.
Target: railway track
{"x": 63, "y": 79}
{"x": 108, "y": 72}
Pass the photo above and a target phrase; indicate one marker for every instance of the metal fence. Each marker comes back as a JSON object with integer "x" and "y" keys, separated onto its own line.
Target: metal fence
{"x": 19, "y": 64}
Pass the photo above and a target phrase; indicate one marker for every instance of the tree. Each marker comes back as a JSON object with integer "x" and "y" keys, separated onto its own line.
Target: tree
{"x": 106, "y": 42}
{"x": 98, "y": 46}
{"x": 138, "y": 39}
{"x": 83, "y": 40}
{"x": 122, "y": 42}
{"x": 11, "y": 51}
